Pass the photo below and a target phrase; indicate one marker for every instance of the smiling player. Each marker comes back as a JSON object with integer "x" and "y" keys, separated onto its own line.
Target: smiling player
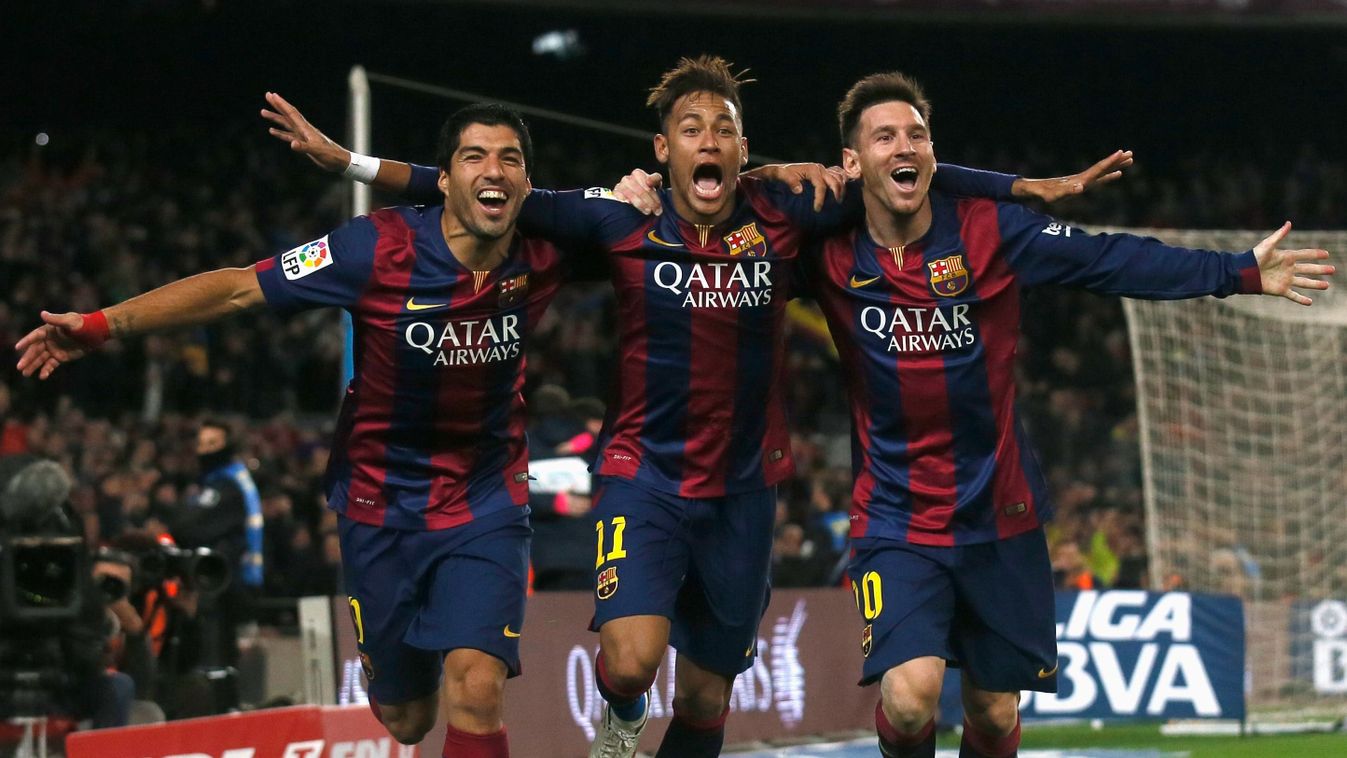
{"x": 949, "y": 557}
{"x": 429, "y": 468}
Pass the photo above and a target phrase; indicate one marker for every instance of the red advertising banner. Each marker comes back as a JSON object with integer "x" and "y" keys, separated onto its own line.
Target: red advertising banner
{"x": 803, "y": 682}
{"x": 307, "y": 731}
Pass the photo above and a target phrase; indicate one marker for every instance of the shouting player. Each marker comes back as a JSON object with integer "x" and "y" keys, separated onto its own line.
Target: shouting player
{"x": 429, "y": 468}
{"x": 696, "y": 438}
{"x": 949, "y": 560}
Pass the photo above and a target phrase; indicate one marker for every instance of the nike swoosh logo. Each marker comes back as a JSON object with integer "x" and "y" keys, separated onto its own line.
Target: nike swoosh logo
{"x": 1045, "y": 673}
{"x": 511, "y": 634}
{"x": 651, "y": 236}
{"x": 412, "y": 305}
{"x": 862, "y": 282}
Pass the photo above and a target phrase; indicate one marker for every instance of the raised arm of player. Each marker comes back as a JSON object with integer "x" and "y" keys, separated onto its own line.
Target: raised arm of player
{"x": 416, "y": 183}
{"x": 1042, "y": 250}
{"x": 199, "y": 299}
{"x": 1051, "y": 190}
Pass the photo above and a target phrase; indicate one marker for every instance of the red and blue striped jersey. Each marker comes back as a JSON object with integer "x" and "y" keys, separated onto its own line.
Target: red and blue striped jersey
{"x": 697, "y": 407}
{"x": 431, "y": 431}
{"x": 927, "y": 336}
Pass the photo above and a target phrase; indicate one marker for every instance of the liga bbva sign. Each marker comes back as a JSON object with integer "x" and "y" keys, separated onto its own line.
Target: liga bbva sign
{"x": 1135, "y": 654}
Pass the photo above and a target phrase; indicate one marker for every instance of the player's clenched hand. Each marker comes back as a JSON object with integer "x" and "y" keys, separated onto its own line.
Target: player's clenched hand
{"x": 51, "y": 344}
{"x": 824, "y": 179}
{"x": 303, "y": 137}
{"x": 1051, "y": 190}
{"x": 639, "y": 189}
{"x": 1280, "y": 270}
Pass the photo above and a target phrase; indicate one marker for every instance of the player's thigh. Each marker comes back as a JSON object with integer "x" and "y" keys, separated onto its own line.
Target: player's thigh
{"x": 905, "y": 597}
{"x": 641, "y": 551}
{"x": 383, "y": 582}
{"x": 475, "y": 595}
{"x": 728, "y": 587}
{"x": 1005, "y": 621}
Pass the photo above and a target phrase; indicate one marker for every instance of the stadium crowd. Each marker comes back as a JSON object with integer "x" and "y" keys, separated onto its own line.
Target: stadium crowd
{"x": 123, "y": 213}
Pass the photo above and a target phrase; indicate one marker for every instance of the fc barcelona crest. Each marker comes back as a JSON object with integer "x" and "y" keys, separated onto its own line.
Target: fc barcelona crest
{"x": 747, "y": 241}
{"x": 512, "y": 290}
{"x": 949, "y": 276}
{"x": 867, "y": 640}
{"x": 607, "y": 584}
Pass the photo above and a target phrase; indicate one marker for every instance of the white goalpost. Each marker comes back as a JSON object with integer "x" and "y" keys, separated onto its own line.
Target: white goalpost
{"x": 1242, "y": 409}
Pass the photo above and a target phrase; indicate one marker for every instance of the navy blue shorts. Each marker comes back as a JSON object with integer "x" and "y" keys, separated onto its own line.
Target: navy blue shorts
{"x": 416, "y": 595}
{"x": 703, "y": 564}
{"x": 987, "y": 608}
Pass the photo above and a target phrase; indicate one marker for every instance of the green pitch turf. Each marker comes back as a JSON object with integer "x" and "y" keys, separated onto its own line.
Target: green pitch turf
{"x": 1148, "y": 736}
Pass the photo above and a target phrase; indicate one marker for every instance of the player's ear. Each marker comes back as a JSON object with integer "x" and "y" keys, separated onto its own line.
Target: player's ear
{"x": 443, "y": 182}
{"x": 661, "y": 148}
{"x": 851, "y": 163}
{"x": 743, "y": 151}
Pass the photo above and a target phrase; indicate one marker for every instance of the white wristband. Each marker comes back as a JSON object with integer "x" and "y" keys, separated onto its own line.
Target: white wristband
{"x": 363, "y": 168}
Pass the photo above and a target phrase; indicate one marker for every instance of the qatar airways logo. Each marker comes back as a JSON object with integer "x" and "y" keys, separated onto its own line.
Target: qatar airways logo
{"x": 717, "y": 285}
{"x": 912, "y": 329}
{"x": 468, "y": 341}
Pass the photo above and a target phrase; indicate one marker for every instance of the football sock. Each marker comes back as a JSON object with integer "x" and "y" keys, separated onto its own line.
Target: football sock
{"x": 895, "y": 744}
{"x": 458, "y": 744}
{"x": 978, "y": 744}
{"x": 627, "y": 706}
{"x": 687, "y": 738}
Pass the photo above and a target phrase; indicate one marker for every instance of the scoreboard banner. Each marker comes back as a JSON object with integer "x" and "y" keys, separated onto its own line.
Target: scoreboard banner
{"x": 305, "y": 731}
{"x": 1137, "y": 654}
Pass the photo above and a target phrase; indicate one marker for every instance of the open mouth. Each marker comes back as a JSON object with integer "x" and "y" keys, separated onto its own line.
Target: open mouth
{"x": 905, "y": 178}
{"x": 492, "y": 200}
{"x": 707, "y": 180}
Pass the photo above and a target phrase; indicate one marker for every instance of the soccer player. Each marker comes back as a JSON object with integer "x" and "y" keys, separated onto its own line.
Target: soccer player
{"x": 696, "y": 437}
{"x": 950, "y": 562}
{"x": 429, "y": 468}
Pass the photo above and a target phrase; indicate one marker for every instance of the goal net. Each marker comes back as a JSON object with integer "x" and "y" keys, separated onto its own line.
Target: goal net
{"x": 1242, "y": 407}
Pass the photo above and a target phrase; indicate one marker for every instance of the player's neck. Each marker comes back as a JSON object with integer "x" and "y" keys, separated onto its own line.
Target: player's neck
{"x": 474, "y": 252}
{"x": 892, "y": 229}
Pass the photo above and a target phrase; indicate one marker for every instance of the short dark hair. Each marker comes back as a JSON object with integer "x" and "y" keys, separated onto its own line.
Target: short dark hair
{"x": 216, "y": 422}
{"x": 705, "y": 73}
{"x": 873, "y": 90}
{"x": 486, "y": 114}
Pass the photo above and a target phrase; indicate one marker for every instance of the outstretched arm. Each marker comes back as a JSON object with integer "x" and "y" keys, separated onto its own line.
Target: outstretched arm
{"x": 394, "y": 177}
{"x": 199, "y": 299}
{"x": 1051, "y": 190}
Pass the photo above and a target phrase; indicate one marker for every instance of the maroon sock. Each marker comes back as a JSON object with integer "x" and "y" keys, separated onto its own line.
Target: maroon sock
{"x": 895, "y": 744}
{"x": 687, "y": 738}
{"x": 459, "y": 744}
{"x": 979, "y": 744}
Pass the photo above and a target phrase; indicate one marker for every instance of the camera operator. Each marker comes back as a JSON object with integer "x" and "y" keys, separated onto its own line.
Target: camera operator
{"x": 225, "y": 515}
{"x": 55, "y": 619}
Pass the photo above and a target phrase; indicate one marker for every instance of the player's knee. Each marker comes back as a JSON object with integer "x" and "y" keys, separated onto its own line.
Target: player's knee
{"x": 408, "y": 724}
{"x": 631, "y": 665}
{"x": 701, "y": 706}
{"x": 909, "y": 702}
{"x": 478, "y": 690}
{"x": 993, "y": 712}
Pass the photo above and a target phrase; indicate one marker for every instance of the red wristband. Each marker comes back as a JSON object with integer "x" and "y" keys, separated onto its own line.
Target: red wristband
{"x": 94, "y": 331}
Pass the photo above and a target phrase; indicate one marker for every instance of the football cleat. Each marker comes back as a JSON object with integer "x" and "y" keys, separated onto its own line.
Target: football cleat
{"x": 617, "y": 738}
